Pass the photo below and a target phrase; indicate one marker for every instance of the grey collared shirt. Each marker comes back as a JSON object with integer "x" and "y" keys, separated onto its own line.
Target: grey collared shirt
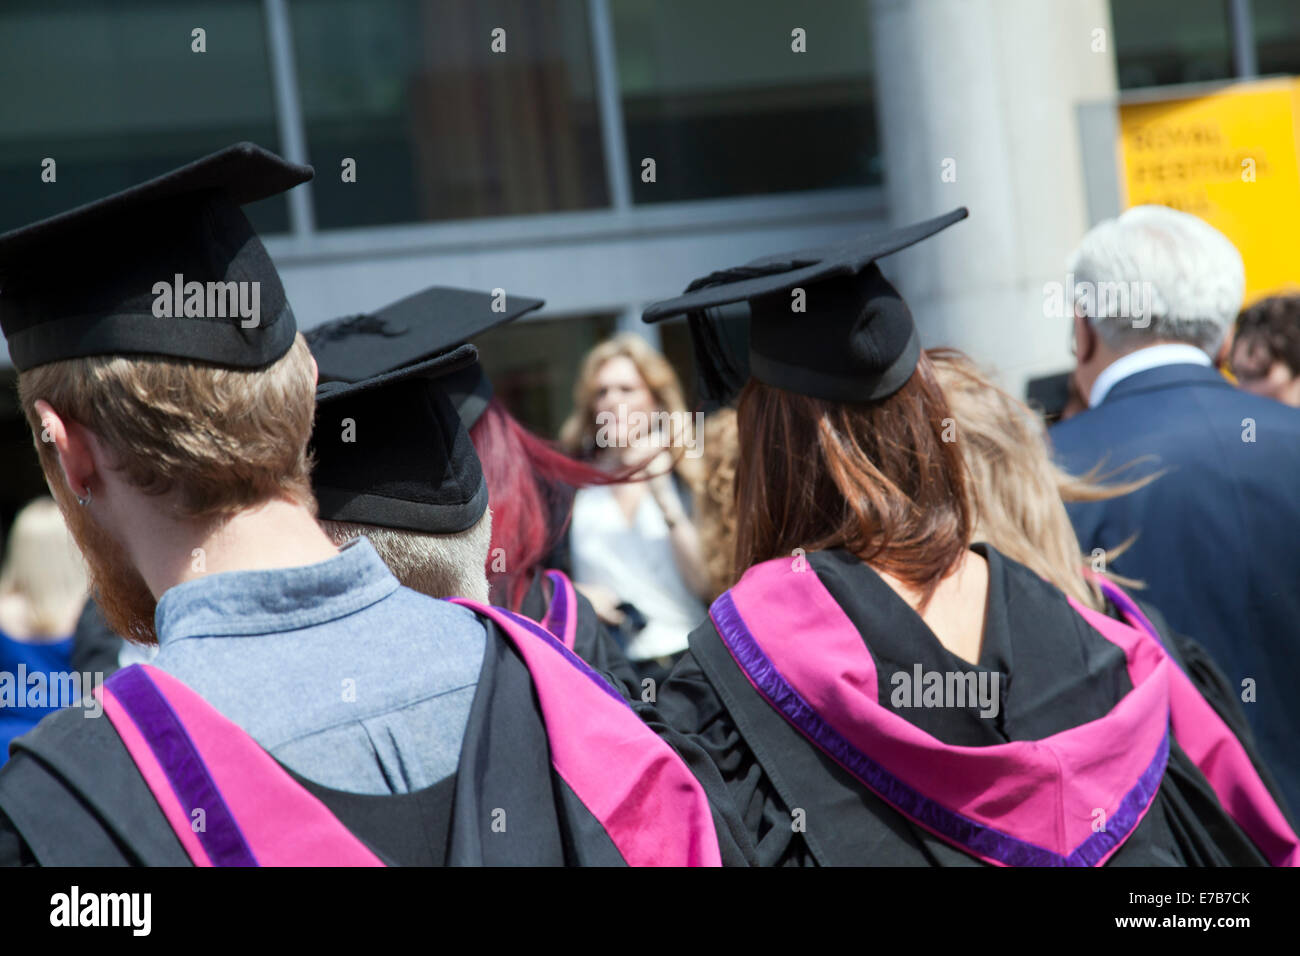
{"x": 343, "y": 675}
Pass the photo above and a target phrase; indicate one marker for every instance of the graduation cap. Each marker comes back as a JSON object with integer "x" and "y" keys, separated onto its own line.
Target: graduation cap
{"x": 421, "y": 325}
{"x": 391, "y": 451}
{"x": 169, "y": 267}
{"x": 822, "y": 322}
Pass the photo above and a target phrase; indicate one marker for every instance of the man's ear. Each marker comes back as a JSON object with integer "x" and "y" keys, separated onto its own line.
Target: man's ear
{"x": 1223, "y": 357}
{"x": 73, "y": 444}
{"x": 1085, "y": 339}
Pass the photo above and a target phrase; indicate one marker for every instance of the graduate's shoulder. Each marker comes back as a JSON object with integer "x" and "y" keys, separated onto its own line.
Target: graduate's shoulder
{"x": 417, "y": 612}
{"x": 73, "y": 795}
{"x": 68, "y": 734}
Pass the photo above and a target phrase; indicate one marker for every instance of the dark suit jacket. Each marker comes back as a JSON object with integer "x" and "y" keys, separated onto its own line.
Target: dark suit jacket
{"x": 1219, "y": 534}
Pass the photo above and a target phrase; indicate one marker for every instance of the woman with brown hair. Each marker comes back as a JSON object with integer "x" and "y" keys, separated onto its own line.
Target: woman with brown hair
{"x": 877, "y": 689}
{"x": 634, "y": 550}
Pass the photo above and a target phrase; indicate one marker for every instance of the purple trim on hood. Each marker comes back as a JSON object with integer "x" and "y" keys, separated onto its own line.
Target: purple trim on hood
{"x": 979, "y": 839}
{"x": 188, "y": 775}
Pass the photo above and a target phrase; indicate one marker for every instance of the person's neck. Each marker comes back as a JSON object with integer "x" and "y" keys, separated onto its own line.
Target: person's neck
{"x": 1104, "y": 358}
{"x": 1290, "y": 395}
{"x": 957, "y": 609}
{"x": 274, "y": 534}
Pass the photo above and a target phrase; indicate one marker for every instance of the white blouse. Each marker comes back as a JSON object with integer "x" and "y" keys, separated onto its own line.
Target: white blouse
{"x": 636, "y": 562}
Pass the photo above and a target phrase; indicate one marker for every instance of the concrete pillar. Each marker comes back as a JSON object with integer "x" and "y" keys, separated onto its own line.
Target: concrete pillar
{"x": 987, "y": 90}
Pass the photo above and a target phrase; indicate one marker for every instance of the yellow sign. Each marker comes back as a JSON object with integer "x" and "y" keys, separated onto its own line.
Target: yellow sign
{"x": 1229, "y": 157}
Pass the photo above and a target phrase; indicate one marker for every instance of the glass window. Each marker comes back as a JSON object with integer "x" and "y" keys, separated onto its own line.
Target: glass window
{"x": 715, "y": 95}
{"x": 1277, "y": 35}
{"x": 1159, "y": 42}
{"x": 534, "y": 363}
{"x": 440, "y": 126}
{"x": 112, "y": 91}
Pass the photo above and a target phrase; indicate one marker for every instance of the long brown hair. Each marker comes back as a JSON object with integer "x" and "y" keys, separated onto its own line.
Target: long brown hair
{"x": 875, "y": 479}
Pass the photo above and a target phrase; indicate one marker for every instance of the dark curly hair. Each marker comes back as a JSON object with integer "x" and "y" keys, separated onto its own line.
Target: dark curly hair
{"x": 1271, "y": 330}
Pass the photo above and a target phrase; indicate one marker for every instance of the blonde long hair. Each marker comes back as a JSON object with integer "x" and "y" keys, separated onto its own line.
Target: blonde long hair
{"x": 43, "y": 569}
{"x": 715, "y": 498}
{"x": 578, "y": 434}
{"x": 1017, "y": 491}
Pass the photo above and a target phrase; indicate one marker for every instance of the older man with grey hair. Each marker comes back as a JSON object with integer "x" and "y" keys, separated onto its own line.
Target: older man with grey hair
{"x": 1218, "y": 534}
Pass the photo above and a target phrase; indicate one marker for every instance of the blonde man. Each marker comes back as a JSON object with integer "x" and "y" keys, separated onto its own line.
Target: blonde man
{"x": 304, "y": 708}
{"x": 172, "y": 400}
{"x": 394, "y": 465}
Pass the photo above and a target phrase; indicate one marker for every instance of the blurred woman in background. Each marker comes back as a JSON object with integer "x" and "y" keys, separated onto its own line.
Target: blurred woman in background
{"x": 634, "y": 549}
{"x": 43, "y": 587}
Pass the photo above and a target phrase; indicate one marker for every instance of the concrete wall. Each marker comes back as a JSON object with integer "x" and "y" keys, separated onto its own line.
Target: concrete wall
{"x": 993, "y": 85}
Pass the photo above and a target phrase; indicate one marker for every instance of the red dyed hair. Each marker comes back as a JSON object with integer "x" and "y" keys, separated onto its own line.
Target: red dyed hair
{"x": 530, "y": 489}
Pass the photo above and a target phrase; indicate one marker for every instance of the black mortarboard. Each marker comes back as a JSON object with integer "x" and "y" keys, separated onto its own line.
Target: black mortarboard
{"x": 424, "y": 324}
{"x": 470, "y": 390}
{"x": 90, "y": 281}
{"x": 391, "y": 451}
{"x": 854, "y": 341}
{"x": 421, "y": 325}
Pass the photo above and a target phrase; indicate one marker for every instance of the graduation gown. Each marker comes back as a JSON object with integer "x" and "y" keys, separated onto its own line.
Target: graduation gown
{"x": 95, "y": 648}
{"x": 555, "y": 603}
{"x": 801, "y": 695}
{"x": 1206, "y": 675}
{"x": 555, "y": 769}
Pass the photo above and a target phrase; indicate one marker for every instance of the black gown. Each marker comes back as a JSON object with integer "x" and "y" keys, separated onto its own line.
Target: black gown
{"x": 95, "y": 648}
{"x": 72, "y": 795}
{"x": 591, "y": 641}
{"x": 1056, "y": 671}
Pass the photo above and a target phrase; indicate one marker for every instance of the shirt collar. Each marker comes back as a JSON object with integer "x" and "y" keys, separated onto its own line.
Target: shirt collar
{"x": 1153, "y": 356}
{"x": 244, "y": 603}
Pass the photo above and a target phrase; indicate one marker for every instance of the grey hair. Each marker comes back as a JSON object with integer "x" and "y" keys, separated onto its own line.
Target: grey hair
{"x": 1157, "y": 273}
{"x": 439, "y": 565}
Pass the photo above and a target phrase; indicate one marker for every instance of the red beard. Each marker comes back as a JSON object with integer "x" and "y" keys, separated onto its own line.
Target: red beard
{"x": 124, "y": 599}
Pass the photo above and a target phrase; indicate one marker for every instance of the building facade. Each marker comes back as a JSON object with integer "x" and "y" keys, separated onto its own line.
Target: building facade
{"x": 600, "y": 154}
